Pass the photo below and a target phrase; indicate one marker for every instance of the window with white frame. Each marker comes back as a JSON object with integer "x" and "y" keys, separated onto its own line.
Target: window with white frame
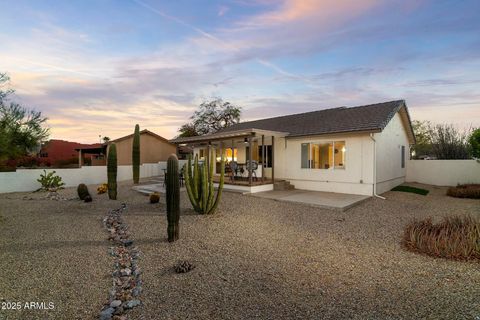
{"x": 324, "y": 155}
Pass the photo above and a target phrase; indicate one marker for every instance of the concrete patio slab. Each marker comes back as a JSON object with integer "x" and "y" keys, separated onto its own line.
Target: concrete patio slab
{"x": 328, "y": 200}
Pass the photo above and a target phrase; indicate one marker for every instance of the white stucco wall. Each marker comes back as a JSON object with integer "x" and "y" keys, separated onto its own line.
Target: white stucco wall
{"x": 443, "y": 172}
{"x": 357, "y": 177}
{"x": 388, "y": 144}
{"x": 26, "y": 179}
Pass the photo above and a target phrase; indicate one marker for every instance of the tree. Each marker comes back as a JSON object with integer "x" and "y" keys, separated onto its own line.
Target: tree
{"x": 448, "y": 142}
{"x": 21, "y": 129}
{"x": 211, "y": 117}
{"x": 106, "y": 139}
{"x": 422, "y": 130}
{"x": 474, "y": 141}
{"x": 188, "y": 130}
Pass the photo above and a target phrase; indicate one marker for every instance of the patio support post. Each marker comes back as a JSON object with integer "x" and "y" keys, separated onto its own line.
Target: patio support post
{"x": 80, "y": 158}
{"x": 263, "y": 157}
{"x": 250, "y": 151}
{"x": 273, "y": 159}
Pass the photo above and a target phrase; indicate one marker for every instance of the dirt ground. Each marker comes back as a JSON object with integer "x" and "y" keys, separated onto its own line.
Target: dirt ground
{"x": 255, "y": 259}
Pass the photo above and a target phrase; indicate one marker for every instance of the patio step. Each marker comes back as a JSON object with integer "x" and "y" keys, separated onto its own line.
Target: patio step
{"x": 283, "y": 185}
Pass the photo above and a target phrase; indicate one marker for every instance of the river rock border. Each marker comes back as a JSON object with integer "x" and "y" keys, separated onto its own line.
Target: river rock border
{"x": 127, "y": 284}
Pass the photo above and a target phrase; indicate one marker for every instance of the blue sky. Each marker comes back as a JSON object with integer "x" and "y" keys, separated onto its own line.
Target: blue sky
{"x": 98, "y": 67}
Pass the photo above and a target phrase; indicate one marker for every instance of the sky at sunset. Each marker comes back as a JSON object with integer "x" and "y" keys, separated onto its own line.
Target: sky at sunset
{"x": 99, "y": 67}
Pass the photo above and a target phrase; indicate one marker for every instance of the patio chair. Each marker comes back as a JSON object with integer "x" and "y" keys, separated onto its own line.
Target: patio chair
{"x": 252, "y": 166}
{"x": 234, "y": 168}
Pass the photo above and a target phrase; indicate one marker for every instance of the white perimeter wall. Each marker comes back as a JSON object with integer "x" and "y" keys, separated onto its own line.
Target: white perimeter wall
{"x": 26, "y": 179}
{"x": 443, "y": 172}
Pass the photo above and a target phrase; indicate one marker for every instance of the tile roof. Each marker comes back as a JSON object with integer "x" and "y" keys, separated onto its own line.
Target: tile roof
{"x": 344, "y": 119}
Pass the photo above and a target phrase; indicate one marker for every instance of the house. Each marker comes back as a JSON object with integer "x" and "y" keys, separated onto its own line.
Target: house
{"x": 153, "y": 148}
{"x": 357, "y": 150}
{"x": 62, "y": 153}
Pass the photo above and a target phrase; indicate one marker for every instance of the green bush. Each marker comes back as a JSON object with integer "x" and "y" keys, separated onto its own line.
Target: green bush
{"x": 456, "y": 237}
{"x": 50, "y": 181}
{"x": 423, "y": 192}
{"x": 471, "y": 191}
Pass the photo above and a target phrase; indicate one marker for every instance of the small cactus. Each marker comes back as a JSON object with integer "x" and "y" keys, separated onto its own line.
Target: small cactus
{"x": 172, "y": 198}
{"x": 154, "y": 198}
{"x": 82, "y": 191}
{"x": 136, "y": 154}
{"x": 112, "y": 172}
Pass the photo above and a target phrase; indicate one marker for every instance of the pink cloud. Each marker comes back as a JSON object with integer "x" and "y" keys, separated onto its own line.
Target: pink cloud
{"x": 321, "y": 10}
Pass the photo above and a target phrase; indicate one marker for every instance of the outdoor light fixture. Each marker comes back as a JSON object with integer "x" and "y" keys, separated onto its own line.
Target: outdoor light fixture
{"x": 245, "y": 140}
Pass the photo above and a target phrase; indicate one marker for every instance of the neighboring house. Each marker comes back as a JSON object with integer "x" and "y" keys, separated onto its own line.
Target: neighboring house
{"x": 359, "y": 150}
{"x": 61, "y": 152}
{"x": 153, "y": 148}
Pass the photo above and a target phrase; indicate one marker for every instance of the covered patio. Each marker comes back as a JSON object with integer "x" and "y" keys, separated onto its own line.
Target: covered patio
{"x": 249, "y": 156}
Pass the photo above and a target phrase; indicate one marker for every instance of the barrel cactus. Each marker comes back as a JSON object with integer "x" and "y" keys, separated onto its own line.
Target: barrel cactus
{"x": 172, "y": 198}
{"x": 82, "y": 191}
{"x": 199, "y": 184}
{"x": 112, "y": 172}
{"x": 136, "y": 154}
{"x": 154, "y": 197}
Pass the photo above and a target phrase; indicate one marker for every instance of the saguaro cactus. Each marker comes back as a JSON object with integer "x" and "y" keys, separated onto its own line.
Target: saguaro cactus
{"x": 136, "y": 154}
{"x": 199, "y": 184}
{"x": 172, "y": 198}
{"x": 112, "y": 172}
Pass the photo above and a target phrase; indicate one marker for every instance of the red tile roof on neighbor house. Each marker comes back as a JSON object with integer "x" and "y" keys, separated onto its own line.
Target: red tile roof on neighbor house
{"x": 56, "y": 150}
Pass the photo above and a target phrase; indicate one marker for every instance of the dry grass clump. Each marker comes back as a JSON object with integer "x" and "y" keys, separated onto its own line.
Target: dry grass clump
{"x": 471, "y": 191}
{"x": 455, "y": 237}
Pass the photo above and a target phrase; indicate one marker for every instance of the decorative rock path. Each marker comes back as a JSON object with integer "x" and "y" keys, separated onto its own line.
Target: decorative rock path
{"x": 127, "y": 285}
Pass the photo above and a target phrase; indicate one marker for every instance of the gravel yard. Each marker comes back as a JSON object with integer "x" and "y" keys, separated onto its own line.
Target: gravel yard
{"x": 256, "y": 258}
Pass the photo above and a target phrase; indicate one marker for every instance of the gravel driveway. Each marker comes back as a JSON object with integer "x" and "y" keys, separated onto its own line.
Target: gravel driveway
{"x": 255, "y": 259}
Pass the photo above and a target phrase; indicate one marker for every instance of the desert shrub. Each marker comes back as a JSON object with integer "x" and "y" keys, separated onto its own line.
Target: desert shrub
{"x": 102, "y": 188}
{"x": 471, "y": 191}
{"x": 50, "y": 181}
{"x": 154, "y": 198}
{"x": 455, "y": 237}
{"x": 83, "y": 193}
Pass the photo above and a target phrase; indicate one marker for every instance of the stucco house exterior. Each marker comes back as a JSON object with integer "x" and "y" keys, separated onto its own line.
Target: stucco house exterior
{"x": 358, "y": 150}
{"x": 153, "y": 148}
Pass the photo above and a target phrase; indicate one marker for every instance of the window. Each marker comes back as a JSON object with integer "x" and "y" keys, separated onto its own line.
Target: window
{"x": 323, "y": 155}
{"x": 402, "y": 154}
{"x": 227, "y": 154}
{"x": 339, "y": 154}
{"x": 268, "y": 155}
{"x": 201, "y": 154}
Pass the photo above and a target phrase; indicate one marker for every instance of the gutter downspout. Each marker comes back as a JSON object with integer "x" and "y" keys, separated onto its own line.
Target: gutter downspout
{"x": 375, "y": 168}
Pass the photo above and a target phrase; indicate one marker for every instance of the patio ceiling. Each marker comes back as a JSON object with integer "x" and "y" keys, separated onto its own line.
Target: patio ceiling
{"x": 227, "y": 136}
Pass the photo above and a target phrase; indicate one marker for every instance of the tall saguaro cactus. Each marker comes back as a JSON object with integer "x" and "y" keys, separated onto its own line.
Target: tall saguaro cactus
{"x": 136, "y": 154}
{"x": 173, "y": 198}
{"x": 199, "y": 184}
{"x": 112, "y": 172}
